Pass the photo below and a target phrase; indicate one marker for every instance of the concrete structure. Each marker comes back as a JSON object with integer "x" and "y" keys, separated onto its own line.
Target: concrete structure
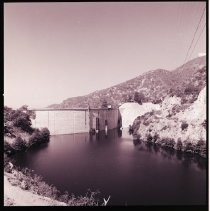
{"x": 78, "y": 120}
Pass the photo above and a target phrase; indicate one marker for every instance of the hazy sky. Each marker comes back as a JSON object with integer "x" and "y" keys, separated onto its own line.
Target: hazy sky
{"x": 53, "y": 51}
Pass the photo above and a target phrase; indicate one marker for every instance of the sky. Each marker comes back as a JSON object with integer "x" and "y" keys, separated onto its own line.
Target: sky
{"x": 53, "y": 51}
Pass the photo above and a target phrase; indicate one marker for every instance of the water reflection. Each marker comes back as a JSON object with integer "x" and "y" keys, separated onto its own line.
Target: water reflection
{"x": 187, "y": 159}
{"x": 156, "y": 148}
{"x": 119, "y": 132}
{"x": 137, "y": 142}
{"x": 104, "y": 138}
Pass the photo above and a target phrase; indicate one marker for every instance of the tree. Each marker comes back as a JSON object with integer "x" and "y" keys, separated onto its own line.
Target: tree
{"x": 124, "y": 98}
{"x": 8, "y": 114}
{"x": 129, "y": 98}
{"x": 179, "y": 145}
{"x": 184, "y": 125}
{"x": 190, "y": 89}
{"x": 138, "y": 97}
{"x": 19, "y": 118}
{"x": 24, "y": 108}
{"x": 104, "y": 104}
{"x": 30, "y": 113}
{"x": 19, "y": 144}
{"x": 45, "y": 134}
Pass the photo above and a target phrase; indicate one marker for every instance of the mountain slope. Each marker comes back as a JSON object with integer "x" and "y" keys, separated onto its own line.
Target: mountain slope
{"x": 155, "y": 86}
{"x": 175, "y": 125}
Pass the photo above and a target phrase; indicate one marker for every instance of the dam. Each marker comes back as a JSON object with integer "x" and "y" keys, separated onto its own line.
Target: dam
{"x": 76, "y": 120}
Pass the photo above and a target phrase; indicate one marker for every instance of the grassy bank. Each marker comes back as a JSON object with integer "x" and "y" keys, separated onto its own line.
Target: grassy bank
{"x": 27, "y": 180}
{"x": 16, "y": 196}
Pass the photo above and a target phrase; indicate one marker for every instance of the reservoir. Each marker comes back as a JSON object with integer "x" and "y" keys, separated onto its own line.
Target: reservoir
{"x": 131, "y": 173}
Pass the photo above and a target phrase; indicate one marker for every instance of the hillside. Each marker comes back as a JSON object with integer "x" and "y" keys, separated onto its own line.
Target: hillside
{"x": 175, "y": 125}
{"x": 155, "y": 85}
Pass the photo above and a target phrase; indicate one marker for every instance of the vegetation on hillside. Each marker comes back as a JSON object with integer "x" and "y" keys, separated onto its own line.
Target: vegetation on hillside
{"x": 19, "y": 134}
{"x": 185, "y": 82}
{"x": 189, "y": 86}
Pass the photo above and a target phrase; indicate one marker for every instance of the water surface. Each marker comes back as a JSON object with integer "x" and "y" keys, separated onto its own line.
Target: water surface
{"x": 132, "y": 173}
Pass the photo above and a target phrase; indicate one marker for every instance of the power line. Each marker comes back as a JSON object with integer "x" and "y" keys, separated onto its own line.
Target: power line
{"x": 195, "y": 34}
{"x": 181, "y": 22}
{"x": 197, "y": 39}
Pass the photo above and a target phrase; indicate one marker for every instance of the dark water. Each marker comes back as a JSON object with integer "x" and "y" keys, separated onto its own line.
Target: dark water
{"x": 132, "y": 173}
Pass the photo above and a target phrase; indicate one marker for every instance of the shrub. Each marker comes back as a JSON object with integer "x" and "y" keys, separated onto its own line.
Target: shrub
{"x": 156, "y": 137}
{"x": 176, "y": 109}
{"x": 35, "y": 138}
{"x": 168, "y": 142}
{"x": 136, "y": 137}
{"x": 39, "y": 137}
{"x": 47, "y": 190}
{"x": 19, "y": 144}
{"x": 191, "y": 90}
{"x": 64, "y": 197}
{"x": 6, "y": 159}
{"x": 169, "y": 115}
{"x": 200, "y": 148}
{"x": 179, "y": 145}
{"x": 136, "y": 124}
{"x": 130, "y": 130}
{"x": 88, "y": 200}
{"x": 8, "y": 130}
{"x": 189, "y": 147}
{"x": 7, "y": 148}
{"x": 24, "y": 123}
{"x": 45, "y": 135}
{"x": 104, "y": 104}
{"x": 204, "y": 124}
{"x": 184, "y": 125}
{"x": 146, "y": 123}
{"x": 183, "y": 100}
{"x": 7, "y": 167}
{"x": 149, "y": 137}
{"x": 157, "y": 101}
{"x": 139, "y": 97}
{"x": 164, "y": 128}
{"x": 202, "y": 70}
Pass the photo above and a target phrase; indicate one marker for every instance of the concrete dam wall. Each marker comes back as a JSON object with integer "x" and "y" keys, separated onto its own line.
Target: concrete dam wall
{"x": 68, "y": 121}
